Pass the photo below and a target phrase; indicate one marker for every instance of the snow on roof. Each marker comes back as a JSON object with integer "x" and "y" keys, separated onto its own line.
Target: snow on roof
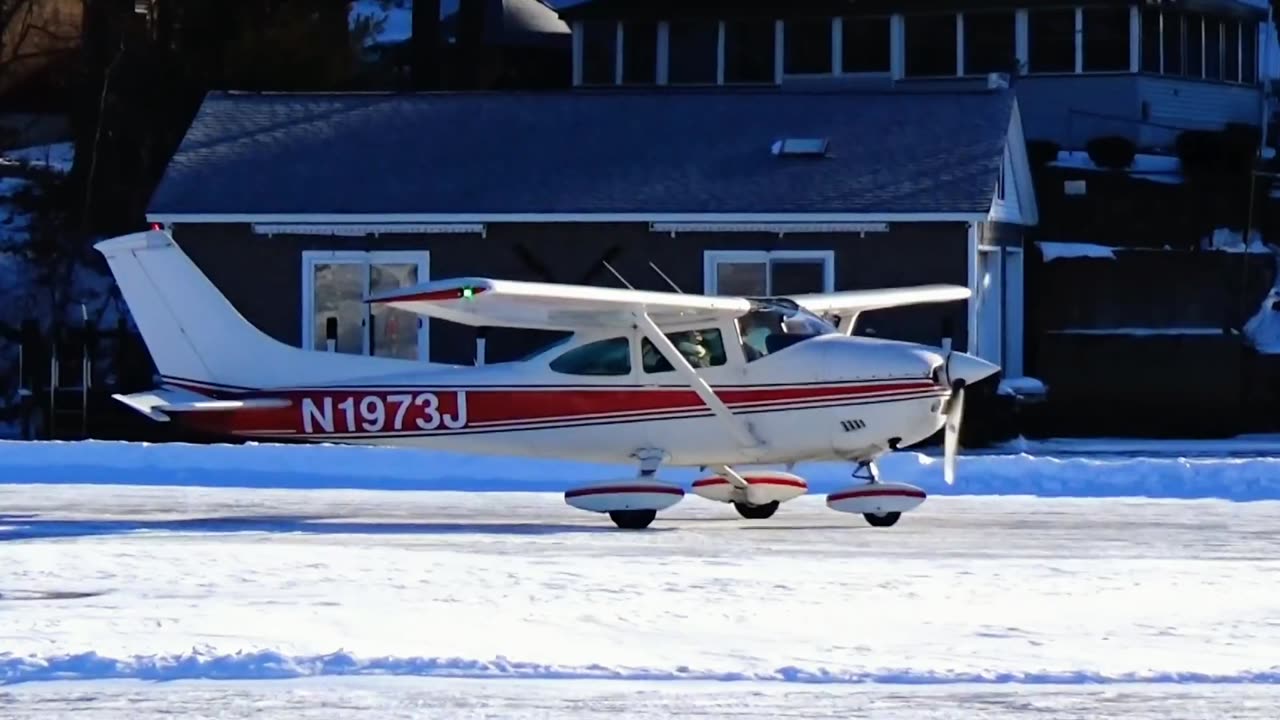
{"x": 56, "y": 157}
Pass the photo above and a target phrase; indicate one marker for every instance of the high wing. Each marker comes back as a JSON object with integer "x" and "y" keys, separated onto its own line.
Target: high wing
{"x": 847, "y": 305}
{"x": 512, "y": 303}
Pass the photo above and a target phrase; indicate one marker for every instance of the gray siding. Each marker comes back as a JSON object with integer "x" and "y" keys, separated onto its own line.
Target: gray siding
{"x": 1149, "y": 109}
{"x": 262, "y": 276}
{"x": 1193, "y": 104}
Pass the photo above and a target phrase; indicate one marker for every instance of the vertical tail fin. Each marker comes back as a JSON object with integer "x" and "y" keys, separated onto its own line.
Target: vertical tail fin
{"x": 192, "y": 331}
{"x": 196, "y": 336}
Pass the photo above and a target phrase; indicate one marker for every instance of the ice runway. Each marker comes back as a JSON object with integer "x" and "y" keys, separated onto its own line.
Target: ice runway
{"x": 421, "y": 698}
{"x": 973, "y": 606}
{"x": 203, "y": 582}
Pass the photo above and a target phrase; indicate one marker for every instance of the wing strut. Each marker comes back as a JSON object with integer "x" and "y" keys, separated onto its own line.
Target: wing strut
{"x": 736, "y": 425}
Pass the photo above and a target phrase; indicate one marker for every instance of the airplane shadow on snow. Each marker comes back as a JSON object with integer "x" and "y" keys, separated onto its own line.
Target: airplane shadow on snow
{"x": 26, "y": 527}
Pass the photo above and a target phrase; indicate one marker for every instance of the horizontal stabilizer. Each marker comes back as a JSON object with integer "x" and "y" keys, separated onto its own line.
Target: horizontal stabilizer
{"x": 224, "y": 405}
{"x": 156, "y": 403}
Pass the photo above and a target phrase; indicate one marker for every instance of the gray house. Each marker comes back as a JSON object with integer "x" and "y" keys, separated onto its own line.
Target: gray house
{"x": 297, "y": 205}
{"x": 1143, "y": 70}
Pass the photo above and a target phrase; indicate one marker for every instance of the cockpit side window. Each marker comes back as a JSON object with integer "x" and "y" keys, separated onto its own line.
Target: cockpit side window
{"x": 602, "y": 357}
{"x": 767, "y": 330}
{"x": 702, "y": 348}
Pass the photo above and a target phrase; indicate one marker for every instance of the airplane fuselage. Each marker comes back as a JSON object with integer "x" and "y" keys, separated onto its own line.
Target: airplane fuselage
{"x": 852, "y": 397}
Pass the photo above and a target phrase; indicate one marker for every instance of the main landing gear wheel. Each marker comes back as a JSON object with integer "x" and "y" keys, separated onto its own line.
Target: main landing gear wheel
{"x": 756, "y": 512}
{"x": 881, "y": 504}
{"x": 633, "y": 519}
{"x": 882, "y": 519}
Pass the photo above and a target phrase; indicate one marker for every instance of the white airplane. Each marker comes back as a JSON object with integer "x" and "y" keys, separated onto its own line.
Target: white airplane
{"x": 651, "y": 378}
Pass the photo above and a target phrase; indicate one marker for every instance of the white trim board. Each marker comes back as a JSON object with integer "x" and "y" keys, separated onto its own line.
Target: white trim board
{"x": 468, "y": 218}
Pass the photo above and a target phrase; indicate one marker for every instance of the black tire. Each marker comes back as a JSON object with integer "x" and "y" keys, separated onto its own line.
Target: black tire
{"x": 633, "y": 519}
{"x": 756, "y": 512}
{"x": 885, "y": 520}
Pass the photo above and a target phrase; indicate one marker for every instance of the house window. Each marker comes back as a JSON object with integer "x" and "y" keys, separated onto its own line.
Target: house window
{"x": 335, "y": 284}
{"x": 1105, "y": 43}
{"x": 599, "y": 52}
{"x": 766, "y": 273}
{"x": 1249, "y": 51}
{"x": 1051, "y": 40}
{"x": 602, "y": 357}
{"x": 692, "y": 48}
{"x": 865, "y": 43}
{"x": 702, "y": 348}
{"x": 1231, "y": 49}
{"x": 1193, "y": 60}
{"x": 748, "y": 51}
{"x": 639, "y": 53}
{"x": 1213, "y": 48}
{"x": 1173, "y": 43}
{"x": 990, "y": 43}
{"x": 930, "y": 45}
{"x": 1150, "y": 40}
{"x": 807, "y": 46}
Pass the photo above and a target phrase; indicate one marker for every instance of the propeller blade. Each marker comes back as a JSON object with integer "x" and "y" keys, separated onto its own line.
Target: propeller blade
{"x": 951, "y": 440}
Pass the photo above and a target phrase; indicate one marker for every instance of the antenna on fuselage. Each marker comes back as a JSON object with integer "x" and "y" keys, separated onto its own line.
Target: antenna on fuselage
{"x": 664, "y": 277}
{"x": 621, "y": 279}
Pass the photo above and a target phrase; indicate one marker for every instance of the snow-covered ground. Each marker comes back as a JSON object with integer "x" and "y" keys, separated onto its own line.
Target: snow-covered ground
{"x": 1022, "y": 593}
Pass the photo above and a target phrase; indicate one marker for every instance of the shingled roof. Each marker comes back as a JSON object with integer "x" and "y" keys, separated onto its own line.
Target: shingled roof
{"x": 619, "y": 151}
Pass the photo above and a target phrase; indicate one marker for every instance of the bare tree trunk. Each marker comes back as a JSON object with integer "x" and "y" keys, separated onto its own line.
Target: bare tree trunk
{"x": 425, "y": 45}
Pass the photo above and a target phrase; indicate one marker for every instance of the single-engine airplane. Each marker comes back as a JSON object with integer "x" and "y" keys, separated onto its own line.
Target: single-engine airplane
{"x": 650, "y": 378}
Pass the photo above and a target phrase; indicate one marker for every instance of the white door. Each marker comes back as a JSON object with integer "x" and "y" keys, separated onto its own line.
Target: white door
{"x": 334, "y": 287}
{"x": 990, "y": 305}
{"x": 1013, "y": 318}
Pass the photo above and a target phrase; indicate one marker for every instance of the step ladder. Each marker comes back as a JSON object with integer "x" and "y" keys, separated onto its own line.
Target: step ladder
{"x": 70, "y": 379}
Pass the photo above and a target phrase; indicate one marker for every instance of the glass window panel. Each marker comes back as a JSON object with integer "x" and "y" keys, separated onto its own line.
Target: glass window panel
{"x": 691, "y": 51}
{"x": 748, "y": 51}
{"x": 1213, "y": 49}
{"x": 639, "y": 52}
{"x": 339, "y": 293}
{"x": 749, "y": 279}
{"x": 1194, "y": 58}
{"x": 865, "y": 44}
{"x": 797, "y": 277}
{"x": 1051, "y": 40}
{"x": 395, "y": 331}
{"x": 599, "y": 52}
{"x": 990, "y": 42}
{"x": 1173, "y": 43}
{"x": 702, "y": 348}
{"x": 1150, "y": 40}
{"x": 1231, "y": 50}
{"x": 930, "y": 44}
{"x": 602, "y": 357}
{"x": 1106, "y": 39}
{"x": 1249, "y": 46}
{"x": 807, "y": 46}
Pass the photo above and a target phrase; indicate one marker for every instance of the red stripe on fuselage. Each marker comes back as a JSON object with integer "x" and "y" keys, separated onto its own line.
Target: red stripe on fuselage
{"x": 347, "y": 411}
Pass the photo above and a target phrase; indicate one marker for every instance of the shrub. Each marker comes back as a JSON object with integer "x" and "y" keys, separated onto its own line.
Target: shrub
{"x": 1042, "y": 152}
{"x": 1113, "y": 151}
{"x": 1199, "y": 151}
{"x": 1239, "y": 143}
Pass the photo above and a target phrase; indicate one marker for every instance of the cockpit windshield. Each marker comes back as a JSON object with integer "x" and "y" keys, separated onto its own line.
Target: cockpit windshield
{"x": 775, "y": 323}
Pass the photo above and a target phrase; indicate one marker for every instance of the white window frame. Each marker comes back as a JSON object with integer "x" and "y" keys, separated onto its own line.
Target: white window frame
{"x": 711, "y": 258}
{"x": 311, "y": 258}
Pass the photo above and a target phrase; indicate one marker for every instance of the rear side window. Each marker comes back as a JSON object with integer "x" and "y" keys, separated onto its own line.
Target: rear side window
{"x": 602, "y": 357}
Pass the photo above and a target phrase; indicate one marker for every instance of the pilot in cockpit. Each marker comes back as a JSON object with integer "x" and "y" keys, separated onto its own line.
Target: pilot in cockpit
{"x": 693, "y": 348}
